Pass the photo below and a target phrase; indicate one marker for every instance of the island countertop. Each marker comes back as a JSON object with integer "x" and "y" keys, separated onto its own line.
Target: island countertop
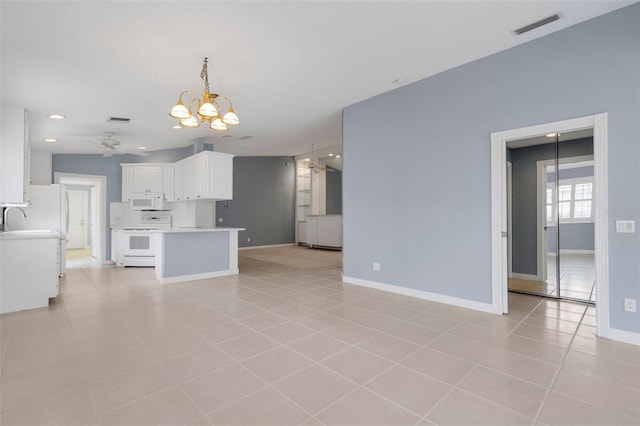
{"x": 203, "y": 229}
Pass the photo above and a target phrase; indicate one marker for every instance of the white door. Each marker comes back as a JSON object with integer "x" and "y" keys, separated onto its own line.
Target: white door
{"x": 77, "y": 235}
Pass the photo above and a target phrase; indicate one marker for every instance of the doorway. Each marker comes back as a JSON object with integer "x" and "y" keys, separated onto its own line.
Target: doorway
{"x": 551, "y": 229}
{"x": 499, "y": 215}
{"x": 86, "y": 235}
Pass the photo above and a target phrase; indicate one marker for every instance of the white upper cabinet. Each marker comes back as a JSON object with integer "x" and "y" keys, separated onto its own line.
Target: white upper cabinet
{"x": 14, "y": 157}
{"x": 147, "y": 178}
{"x": 206, "y": 175}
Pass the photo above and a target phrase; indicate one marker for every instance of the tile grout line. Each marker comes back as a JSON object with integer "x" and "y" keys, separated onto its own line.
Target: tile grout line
{"x": 454, "y": 387}
{"x": 557, "y": 374}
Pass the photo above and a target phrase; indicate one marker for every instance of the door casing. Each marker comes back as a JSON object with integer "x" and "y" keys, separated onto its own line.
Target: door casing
{"x": 499, "y": 242}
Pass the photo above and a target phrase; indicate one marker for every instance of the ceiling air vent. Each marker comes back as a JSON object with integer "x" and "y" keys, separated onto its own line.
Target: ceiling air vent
{"x": 536, "y": 24}
{"x": 118, "y": 120}
{"x": 243, "y": 138}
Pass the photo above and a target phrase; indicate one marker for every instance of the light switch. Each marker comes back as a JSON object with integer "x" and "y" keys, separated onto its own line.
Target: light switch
{"x": 625, "y": 226}
{"x": 219, "y": 219}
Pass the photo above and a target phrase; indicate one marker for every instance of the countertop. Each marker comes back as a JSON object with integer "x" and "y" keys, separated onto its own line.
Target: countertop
{"x": 29, "y": 234}
{"x": 179, "y": 229}
{"x": 203, "y": 229}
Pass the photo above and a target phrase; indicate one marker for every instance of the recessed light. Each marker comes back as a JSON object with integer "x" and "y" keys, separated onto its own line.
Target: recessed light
{"x": 338, "y": 156}
{"x": 330, "y": 155}
{"x": 51, "y": 140}
{"x": 177, "y": 126}
{"x": 142, "y": 148}
{"x": 56, "y": 116}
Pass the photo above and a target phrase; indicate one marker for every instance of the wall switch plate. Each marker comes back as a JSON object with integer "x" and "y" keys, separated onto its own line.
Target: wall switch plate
{"x": 625, "y": 226}
{"x": 219, "y": 219}
{"x": 376, "y": 266}
{"x": 629, "y": 305}
{"x": 248, "y": 240}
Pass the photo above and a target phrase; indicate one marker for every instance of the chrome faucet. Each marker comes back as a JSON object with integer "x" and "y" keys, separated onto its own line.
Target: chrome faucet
{"x": 5, "y": 225}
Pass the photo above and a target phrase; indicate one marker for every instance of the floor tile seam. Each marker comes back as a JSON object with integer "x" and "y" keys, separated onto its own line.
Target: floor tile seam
{"x": 42, "y": 402}
{"x": 149, "y": 395}
{"x": 357, "y": 388}
{"x": 6, "y": 347}
{"x": 179, "y": 384}
{"x": 557, "y": 373}
{"x": 268, "y": 385}
{"x": 606, "y": 379}
{"x": 629, "y": 388}
{"x": 533, "y": 421}
{"x": 596, "y": 404}
{"x": 471, "y": 370}
{"x": 164, "y": 388}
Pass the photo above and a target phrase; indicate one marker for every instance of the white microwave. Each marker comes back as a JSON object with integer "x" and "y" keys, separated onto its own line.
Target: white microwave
{"x": 147, "y": 201}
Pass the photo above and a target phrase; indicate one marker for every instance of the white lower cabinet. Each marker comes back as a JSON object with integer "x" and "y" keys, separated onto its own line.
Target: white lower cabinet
{"x": 28, "y": 272}
{"x": 324, "y": 230}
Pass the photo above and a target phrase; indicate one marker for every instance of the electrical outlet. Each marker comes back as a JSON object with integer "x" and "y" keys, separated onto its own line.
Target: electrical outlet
{"x": 248, "y": 240}
{"x": 626, "y": 226}
{"x": 629, "y": 305}
{"x": 376, "y": 266}
{"x": 219, "y": 219}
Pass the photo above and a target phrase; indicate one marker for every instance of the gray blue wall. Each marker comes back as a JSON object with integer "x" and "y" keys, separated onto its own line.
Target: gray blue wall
{"x": 417, "y": 195}
{"x": 525, "y": 203}
{"x": 333, "y": 191}
{"x": 263, "y": 201}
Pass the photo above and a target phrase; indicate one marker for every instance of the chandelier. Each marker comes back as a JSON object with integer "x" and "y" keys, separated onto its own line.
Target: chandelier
{"x": 208, "y": 109}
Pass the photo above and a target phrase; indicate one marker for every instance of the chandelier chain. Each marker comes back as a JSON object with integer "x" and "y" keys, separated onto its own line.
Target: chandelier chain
{"x": 205, "y": 75}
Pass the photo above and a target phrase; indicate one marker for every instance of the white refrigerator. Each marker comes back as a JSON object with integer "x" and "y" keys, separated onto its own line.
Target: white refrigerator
{"x": 48, "y": 209}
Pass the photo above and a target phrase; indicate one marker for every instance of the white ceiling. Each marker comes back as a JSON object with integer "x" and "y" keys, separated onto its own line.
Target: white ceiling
{"x": 289, "y": 67}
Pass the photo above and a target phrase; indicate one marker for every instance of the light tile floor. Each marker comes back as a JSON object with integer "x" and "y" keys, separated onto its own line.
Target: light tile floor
{"x": 286, "y": 342}
{"x": 577, "y": 278}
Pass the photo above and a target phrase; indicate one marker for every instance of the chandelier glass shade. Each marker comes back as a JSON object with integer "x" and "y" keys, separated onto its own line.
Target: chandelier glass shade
{"x": 207, "y": 109}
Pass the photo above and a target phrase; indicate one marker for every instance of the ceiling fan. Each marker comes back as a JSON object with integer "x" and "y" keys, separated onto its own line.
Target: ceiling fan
{"x": 111, "y": 146}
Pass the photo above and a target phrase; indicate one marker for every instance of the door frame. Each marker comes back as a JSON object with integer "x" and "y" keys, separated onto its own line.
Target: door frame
{"x": 499, "y": 270}
{"x": 100, "y": 183}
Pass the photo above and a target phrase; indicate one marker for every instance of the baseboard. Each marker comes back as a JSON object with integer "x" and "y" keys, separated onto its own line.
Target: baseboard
{"x": 420, "y": 294}
{"x": 624, "y": 336}
{"x": 572, "y": 251}
{"x": 526, "y": 277}
{"x": 267, "y": 246}
{"x": 194, "y": 277}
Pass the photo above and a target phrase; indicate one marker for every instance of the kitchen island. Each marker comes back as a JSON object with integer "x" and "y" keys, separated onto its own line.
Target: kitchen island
{"x": 187, "y": 254}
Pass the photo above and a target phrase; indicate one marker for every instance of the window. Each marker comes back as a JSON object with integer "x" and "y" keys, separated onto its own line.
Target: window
{"x": 575, "y": 201}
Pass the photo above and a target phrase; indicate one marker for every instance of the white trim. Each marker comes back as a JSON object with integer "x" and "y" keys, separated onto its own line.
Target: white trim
{"x": 498, "y": 208}
{"x": 510, "y": 218}
{"x": 624, "y": 336}
{"x": 601, "y": 230}
{"x": 499, "y": 278}
{"x": 266, "y": 246}
{"x": 101, "y": 186}
{"x": 541, "y": 209}
{"x": 194, "y": 277}
{"x": 435, "y": 297}
{"x": 575, "y": 251}
{"x": 526, "y": 277}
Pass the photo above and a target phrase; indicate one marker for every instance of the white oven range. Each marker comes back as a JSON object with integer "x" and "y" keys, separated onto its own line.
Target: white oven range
{"x": 136, "y": 245}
